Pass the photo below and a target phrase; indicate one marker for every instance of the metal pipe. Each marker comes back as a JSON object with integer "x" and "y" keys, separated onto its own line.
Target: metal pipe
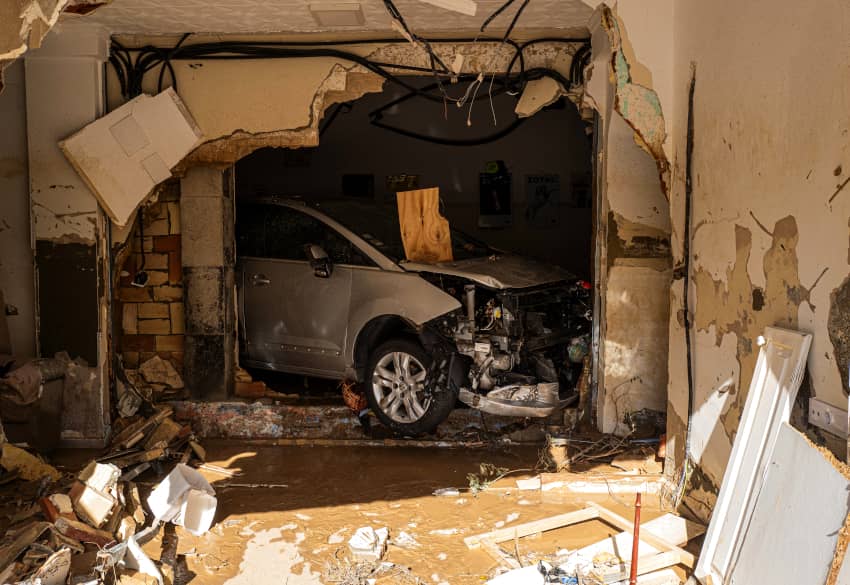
{"x": 633, "y": 575}
{"x": 469, "y": 289}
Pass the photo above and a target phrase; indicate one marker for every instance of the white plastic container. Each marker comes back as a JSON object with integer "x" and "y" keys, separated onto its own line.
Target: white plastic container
{"x": 185, "y": 498}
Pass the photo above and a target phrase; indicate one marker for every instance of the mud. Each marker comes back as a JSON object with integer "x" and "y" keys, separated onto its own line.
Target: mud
{"x": 290, "y": 534}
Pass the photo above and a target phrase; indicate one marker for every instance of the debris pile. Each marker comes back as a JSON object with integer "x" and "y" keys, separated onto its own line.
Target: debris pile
{"x": 99, "y": 513}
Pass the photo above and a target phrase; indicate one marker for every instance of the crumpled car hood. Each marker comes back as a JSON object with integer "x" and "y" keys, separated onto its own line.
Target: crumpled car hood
{"x": 503, "y": 271}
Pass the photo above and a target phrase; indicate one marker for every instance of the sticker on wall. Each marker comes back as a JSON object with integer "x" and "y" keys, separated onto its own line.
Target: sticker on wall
{"x": 494, "y": 191}
{"x": 542, "y": 200}
{"x": 402, "y": 182}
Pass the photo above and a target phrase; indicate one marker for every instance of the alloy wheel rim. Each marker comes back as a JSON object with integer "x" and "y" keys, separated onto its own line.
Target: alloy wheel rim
{"x": 398, "y": 384}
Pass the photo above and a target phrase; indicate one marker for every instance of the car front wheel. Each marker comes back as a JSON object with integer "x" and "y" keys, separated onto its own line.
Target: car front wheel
{"x": 397, "y": 389}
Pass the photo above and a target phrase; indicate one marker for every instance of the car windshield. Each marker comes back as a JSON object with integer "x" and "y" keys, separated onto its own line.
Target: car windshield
{"x": 379, "y": 225}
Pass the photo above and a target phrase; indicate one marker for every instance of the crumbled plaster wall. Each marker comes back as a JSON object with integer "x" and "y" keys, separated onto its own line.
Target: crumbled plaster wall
{"x": 243, "y": 105}
{"x": 770, "y": 217}
{"x": 152, "y": 317}
{"x": 634, "y": 269}
{"x": 23, "y": 23}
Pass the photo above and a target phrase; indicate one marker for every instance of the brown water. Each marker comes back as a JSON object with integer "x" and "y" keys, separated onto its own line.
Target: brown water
{"x": 288, "y": 534}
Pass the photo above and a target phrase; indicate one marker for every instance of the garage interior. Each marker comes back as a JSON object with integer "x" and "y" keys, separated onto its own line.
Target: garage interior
{"x": 155, "y": 429}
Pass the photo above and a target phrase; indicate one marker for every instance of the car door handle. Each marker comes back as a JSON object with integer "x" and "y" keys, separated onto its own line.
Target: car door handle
{"x": 260, "y": 280}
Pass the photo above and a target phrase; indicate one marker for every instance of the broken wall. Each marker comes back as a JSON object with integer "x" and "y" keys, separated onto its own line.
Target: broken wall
{"x": 17, "y": 280}
{"x": 152, "y": 317}
{"x": 633, "y": 260}
{"x": 771, "y": 159}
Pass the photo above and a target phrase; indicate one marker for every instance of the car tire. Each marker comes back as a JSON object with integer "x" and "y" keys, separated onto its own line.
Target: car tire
{"x": 395, "y": 389}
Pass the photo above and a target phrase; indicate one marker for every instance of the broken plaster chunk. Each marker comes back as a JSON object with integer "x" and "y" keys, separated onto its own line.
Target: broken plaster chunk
{"x": 159, "y": 371}
{"x": 368, "y": 543}
{"x": 125, "y": 154}
{"x": 538, "y": 94}
{"x": 467, "y": 7}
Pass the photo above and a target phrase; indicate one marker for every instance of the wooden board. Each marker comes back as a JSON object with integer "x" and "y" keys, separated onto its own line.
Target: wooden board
{"x": 425, "y": 233}
{"x": 666, "y": 554}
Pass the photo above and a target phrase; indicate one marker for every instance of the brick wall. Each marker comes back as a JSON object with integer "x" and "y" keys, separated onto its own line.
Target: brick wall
{"x": 152, "y": 317}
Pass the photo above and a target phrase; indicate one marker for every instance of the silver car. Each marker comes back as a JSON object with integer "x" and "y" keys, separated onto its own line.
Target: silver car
{"x": 325, "y": 290}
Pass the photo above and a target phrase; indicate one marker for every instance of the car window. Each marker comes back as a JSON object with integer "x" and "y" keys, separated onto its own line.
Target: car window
{"x": 250, "y": 230}
{"x": 287, "y": 231}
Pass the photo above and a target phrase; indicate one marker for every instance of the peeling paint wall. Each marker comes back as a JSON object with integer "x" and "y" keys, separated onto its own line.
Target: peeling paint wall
{"x": 770, "y": 216}
{"x": 23, "y": 24}
{"x": 634, "y": 267}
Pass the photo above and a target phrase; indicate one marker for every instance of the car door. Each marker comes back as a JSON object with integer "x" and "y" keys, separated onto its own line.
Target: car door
{"x": 293, "y": 320}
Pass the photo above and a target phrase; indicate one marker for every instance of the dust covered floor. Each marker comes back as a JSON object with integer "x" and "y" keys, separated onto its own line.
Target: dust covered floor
{"x": 289, "y": 514}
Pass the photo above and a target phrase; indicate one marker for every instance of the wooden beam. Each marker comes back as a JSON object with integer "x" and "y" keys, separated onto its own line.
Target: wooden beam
{"x": 615, "y": 519}
{"x": 533, "y": 527}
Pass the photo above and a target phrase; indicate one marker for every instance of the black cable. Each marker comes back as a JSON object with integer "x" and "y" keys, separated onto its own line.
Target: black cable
{"x": 515, "y": 19}
{"x": 375, "y": 117}
{"x": 686, "y": 256}
{"x": 498, "y": 11}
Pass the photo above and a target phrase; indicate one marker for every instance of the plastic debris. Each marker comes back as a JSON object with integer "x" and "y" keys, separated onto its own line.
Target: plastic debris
{"x": 368, "y": 543}
{"x": 184, "y": 498}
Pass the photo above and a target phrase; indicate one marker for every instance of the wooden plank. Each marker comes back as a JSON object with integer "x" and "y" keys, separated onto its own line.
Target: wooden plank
{"x": 425, "y": 233}
{"x": 497, "y": 553}
{"x": 627, "y": 526}
{"x": 533, "y": 527}
{"x": 646, "y": 565}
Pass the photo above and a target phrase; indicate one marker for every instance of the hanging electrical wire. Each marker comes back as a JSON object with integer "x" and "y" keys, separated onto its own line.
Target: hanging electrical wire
{"x": 132, "y": 65}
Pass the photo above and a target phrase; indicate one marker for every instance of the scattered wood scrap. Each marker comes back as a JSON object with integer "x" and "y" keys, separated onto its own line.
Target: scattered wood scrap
{"x": 664, "y": 553}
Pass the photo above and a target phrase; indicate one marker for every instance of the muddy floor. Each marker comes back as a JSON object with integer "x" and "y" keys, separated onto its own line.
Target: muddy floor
{"x": 287, "y": 516}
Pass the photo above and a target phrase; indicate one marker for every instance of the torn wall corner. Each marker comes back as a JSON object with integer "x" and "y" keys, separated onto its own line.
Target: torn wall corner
{"x": 125, "y": 154}
{"x": 640, "y": 106}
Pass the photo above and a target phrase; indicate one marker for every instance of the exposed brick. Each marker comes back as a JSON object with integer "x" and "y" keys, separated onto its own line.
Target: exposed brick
{"x": 148, "y": 243}
{"x": 153, "y": 311}
{"x": 156, "y": 261}
{"x": 166, "y": 243}
{"x": 175, "y": 267}
{"x": 138, "y": 343}
{"x": 157, "y": 277}
{"x": 168, "y": 293}
{"x": 158, "y": 227}
{"x": 169, "y": 343}
{"x": 155, "y": 326}
{"x": 131, "y": 359}
{"x": 146, "y": 355}
{"x": 134, "y": 294}
{"x": 178, "y": 318}
{"x": 129, "y": 316}
{"x": 176, "y": 358}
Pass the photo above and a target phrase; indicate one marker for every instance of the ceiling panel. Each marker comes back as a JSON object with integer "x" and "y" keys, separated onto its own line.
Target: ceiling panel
{"x": 294, "y": 16}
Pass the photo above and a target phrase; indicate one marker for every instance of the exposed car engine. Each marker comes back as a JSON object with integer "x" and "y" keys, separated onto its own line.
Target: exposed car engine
{"x": 513, "y": 352}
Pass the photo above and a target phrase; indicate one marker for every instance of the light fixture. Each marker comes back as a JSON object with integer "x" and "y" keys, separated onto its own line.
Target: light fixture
{"x": 334, "y": 14}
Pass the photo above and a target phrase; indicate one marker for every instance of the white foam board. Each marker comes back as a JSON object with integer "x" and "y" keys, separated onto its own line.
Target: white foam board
{"x": 794, "y": 527}
{"x": 776, "y": 380}
{"x": 125, "y": 154}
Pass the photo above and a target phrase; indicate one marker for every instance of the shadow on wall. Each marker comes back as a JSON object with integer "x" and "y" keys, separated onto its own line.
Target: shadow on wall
{"x": 356, "y": 158}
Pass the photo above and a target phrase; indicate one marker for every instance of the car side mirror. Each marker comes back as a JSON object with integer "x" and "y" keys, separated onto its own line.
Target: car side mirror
{"x": 319, "y": 261}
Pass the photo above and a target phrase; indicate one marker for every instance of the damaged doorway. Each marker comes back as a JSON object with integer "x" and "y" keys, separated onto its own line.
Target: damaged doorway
{"x": 508, "y": 187}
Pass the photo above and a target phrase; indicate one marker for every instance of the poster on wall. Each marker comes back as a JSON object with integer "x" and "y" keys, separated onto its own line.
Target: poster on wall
{"x": 494, "y": 191}
{"x": 542, "y": 199}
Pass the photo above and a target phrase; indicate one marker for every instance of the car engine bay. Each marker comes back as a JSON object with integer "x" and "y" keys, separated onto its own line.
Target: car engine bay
{"x": 515, "y": 352}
